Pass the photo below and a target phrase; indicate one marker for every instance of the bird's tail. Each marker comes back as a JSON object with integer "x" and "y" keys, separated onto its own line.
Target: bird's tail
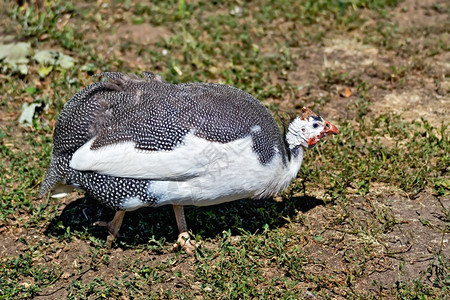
{"x": 56, "y": 172}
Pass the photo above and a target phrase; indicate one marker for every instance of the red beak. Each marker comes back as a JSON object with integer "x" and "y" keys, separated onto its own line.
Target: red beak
{"x": 330, "y": 128}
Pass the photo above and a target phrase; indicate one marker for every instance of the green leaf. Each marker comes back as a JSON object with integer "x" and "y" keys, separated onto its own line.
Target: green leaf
{"x": 23, "y": 69}
{"x": 31, "y": 90}
{"x": 28, "y": 111}
{"x": 66, "y": 62}
{"x": 46, "y": 57}
{"x": 52, "y": 57}
{"x": 90, "y": 67}
{"x": 44, "y": 71}
{"x": 15, "y": 56}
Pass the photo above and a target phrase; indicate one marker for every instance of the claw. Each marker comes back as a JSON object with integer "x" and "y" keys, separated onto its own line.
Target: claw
{"x": 113, "y": 226}
{"x": 183, "y": 238}
{"x": 185, "y": 241}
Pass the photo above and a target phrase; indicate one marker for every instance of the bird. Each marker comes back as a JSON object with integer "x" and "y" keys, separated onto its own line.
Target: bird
{"x": 135, "y": 141}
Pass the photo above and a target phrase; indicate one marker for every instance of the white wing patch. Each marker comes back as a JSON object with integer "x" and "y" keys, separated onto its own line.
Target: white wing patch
{"x": 240, "y": 175}
{"x": 191, "y": 159}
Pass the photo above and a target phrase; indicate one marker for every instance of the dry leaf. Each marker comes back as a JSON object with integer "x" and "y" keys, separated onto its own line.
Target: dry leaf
{"x": 345, "y": 93}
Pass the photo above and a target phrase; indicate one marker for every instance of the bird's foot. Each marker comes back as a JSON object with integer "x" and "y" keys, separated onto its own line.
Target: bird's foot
{"x": 112, "y": 235}
{"x": 113, "y": 227}
{"x": 185, "y": 241}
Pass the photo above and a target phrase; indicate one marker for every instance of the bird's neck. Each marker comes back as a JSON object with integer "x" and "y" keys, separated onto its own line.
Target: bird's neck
{"x": 282, "y": 174}
{"x": 294, "y": 135}
{"x": 295, "y": 162}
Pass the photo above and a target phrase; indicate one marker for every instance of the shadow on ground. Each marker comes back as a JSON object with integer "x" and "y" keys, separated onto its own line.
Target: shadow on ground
{"x": 159, "y": 223}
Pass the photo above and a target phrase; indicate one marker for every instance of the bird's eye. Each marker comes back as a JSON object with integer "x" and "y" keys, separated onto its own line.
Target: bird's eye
{"x": 315, "y": 125}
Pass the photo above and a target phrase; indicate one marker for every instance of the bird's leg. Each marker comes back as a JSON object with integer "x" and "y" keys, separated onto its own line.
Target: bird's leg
{"x": 113, "y": 226}
{"x": 183, "y": 238}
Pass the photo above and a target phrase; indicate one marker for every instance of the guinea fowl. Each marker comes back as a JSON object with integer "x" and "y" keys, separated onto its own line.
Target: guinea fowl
{"x": 131, "y": 142}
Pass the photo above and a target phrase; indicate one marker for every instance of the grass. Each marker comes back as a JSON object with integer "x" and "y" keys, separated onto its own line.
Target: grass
{"x": 366, "y": 203}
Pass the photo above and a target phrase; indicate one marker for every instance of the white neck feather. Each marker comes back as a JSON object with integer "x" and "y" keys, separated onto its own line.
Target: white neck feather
{"x": 295, "y": 134}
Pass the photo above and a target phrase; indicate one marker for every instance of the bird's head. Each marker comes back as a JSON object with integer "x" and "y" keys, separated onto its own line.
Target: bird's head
{"x": 306, "y": 130}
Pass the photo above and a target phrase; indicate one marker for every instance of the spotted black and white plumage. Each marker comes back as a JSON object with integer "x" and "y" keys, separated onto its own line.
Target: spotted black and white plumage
{"x": 113, "y": 191}
{"x": 131, "y": 142}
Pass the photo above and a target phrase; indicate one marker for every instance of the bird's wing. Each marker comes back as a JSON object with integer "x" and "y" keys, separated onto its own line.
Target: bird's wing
{"x": 193, "y": 157}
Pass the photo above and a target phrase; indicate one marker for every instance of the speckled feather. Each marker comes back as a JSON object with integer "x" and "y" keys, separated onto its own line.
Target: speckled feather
{"x": 112, "y": 190}
{"x": 156, "y": 115}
